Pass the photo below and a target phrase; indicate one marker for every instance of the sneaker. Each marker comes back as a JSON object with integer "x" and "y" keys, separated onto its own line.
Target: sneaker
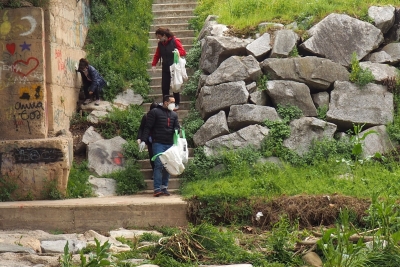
{"x": 97, "y": 102}
{"x": 157, "y": 193}
{"x": 176, "y": 107}
{"x": 165, "y": 192}
{"x": 87, "y": 101}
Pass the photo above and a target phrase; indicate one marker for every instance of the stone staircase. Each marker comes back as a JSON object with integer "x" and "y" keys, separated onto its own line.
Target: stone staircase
{"x": 175, "y": 15}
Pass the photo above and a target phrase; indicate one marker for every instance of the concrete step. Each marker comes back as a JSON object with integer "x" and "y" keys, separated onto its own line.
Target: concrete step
{"x": 178, "y": 33}
{"x": 158, "y": 98}
{"x": 173, "y": 1}
{"x": 173, "y": 27}
{"x": 172, "y": 20}
{"x": 184, "y": 41}
{"x": 174, "y": 182}
{"x": 152, "y": 49}
{"x": 172, "y": 13}
{"x": 99, "y": 214}
{"x": 174, "y": 6}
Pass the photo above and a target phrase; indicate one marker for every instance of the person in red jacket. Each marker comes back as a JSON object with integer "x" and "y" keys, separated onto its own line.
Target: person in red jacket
{"x": 166, "y": 45}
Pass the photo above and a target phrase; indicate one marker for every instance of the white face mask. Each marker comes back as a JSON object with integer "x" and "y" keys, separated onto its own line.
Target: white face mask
{"x": 171, "y": 106}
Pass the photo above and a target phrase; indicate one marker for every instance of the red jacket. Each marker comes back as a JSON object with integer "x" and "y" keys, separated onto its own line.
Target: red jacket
{"x": 178, "y": 45}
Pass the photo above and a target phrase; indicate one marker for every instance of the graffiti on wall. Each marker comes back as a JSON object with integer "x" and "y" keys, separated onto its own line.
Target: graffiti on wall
{"x": 36, "y": 155}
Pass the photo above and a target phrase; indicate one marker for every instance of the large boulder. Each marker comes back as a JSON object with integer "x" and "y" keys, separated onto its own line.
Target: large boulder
{"x": 252, "y": 135}
{"x": 236, "y": 69}
{"x": 383, "y": 17}
{"x": 337, "y": 36}
{"x": 291, "y": 93}
{"x": 318, "y": 73}
{"x": 217, "y": 49}
{"x": 213, "y": 99}
{"x": 381, "y": 72}
{"x": 215, "y": 126}
{"x": 378, "y": 142}
{"x": 241, "y": 116}
{"x": 284, "y": 43}
{"x": 371, "y": 105}
{"x": 260, "y": 47}
{"x": 305, "y": 130}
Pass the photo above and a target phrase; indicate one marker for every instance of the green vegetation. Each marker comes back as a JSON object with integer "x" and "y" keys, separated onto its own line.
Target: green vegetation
{"x": 78, "y": 185}
{"x": 7, "y": 187}
{"x": 117, "y": 44}
{"x": 304, "y": 12}
{"x": 359, "y": 75}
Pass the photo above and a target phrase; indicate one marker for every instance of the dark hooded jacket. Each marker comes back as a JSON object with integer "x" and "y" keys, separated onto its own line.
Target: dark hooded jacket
{"x": 162, "y": 124}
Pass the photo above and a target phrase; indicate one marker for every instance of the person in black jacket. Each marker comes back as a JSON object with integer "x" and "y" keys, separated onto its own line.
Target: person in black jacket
{"x": 147, "y": 141}
{"x": 161, "y": 122}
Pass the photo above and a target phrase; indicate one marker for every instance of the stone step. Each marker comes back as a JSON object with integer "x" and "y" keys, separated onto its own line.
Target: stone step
{"x": 154, "y": 84}
{"x": 172, "y": 20}
{"x": 178, "y": 33}
{"x": 157, "y": 73}
{"x": 173, "y": 1}
{"x": 174, "y": 183}
{"x": 184, "y": 41}
{"x": 184, "y": 105}
{"x": 98, "y": 214}
{"x": 174, "y": 6}
{"x": 158, "y": 98}
{"x": 145, "y": 163}
{"x": 172, "y": 13}
{"x": 152, "y": 49}
{"x": 173, "y": 27}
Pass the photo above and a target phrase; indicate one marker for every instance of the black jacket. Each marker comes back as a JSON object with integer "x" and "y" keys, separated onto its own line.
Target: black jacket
{"x": 162, "y": 124}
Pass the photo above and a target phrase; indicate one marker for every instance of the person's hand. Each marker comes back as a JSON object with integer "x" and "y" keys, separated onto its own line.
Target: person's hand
{"x": 90, "y": 93}
{"x": 138, "y": 141}
{"x": 153, "y": 68}
{"x": 142, "y": 146}
{"x": 76, "y": 66}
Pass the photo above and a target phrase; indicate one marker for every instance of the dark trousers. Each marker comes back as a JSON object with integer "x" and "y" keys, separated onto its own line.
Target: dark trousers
{"x": 96, "y": 92}
{"x": 166, "y": 85}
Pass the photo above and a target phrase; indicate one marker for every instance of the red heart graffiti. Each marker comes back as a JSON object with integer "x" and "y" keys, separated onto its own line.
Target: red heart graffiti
{"x": 11, "y": 48}
{"x": 27, "y": 66}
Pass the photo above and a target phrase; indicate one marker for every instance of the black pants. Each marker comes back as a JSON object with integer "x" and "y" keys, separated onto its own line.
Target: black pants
{"x": 166, "y": 85}
{"x": 96, "y": 92}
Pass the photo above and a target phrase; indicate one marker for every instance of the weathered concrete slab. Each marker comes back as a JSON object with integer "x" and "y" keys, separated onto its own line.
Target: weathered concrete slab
{"x": 99, "y": 214}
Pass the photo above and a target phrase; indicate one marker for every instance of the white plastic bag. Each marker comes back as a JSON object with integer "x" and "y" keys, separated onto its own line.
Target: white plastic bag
{"x": 172, "y": 161}
{"x": 178, "y": 72}
{"x": 183, "y": 146}
{"x": 172, "y": 157}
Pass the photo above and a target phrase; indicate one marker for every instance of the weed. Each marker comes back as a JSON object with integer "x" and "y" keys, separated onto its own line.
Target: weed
{"x": 321, "y": 112}
{"x": 124, "y": 123}
{"x": 281, "y": 241}
{"x": 129, "y": 180}
{"x": 7, "y": 187}
{"x": 192, "y": 85}
{"x": 99, "y": 258}
{"x": 50, "y": 190}
{"x": 150, "y": 237}
{"x": 65, "y": 259}
{"x": 289, "y": 112}
{"x": 78, "y": 181}
{"x": 294, "y": 52}
{"x": 357, "y": 140}
{"x": 192, "y": 123}
{"x": 262, "y": 82}
{"x": 359, "y": 75}
{"x": 337, "y": 247}
{"x": 193, "y": 56}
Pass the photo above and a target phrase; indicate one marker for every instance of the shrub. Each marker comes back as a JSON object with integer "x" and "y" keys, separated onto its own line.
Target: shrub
{"x": 192, "y": 124}
{"x": 78, "y": 185}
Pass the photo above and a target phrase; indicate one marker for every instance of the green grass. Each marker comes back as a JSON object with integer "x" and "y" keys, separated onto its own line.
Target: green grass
{"x": 267, "y": 180}
{"x": 250, "y": 13}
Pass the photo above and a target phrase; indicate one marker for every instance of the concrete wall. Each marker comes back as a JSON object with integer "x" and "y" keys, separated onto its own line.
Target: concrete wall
{"x": 39, "y": 90}
{"x": 66, "y": 26}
